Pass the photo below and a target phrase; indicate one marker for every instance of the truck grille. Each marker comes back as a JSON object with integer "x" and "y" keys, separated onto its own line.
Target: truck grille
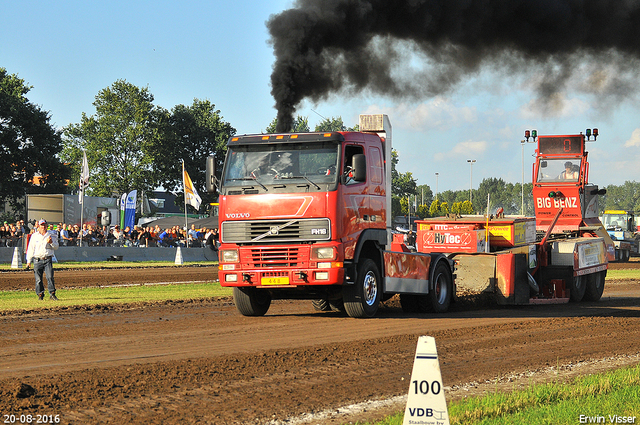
{"x": 273, "y": 257}
{"x": 266, "y": 231}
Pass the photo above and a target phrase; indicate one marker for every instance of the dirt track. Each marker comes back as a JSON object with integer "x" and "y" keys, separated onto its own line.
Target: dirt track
{"x": 200, "y": 361}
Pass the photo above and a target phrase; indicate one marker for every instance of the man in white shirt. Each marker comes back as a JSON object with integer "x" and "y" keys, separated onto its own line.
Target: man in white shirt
{"x": 42, "y": 243}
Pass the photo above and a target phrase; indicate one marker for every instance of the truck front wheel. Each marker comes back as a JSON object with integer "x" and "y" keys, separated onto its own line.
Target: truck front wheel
{"x": 363, "y": 298}
{"x": 251, "y": 301}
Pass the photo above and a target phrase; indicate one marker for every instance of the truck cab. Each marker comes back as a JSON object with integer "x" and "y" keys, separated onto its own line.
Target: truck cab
{"x": 564, "y": 201}
{"x": 561, "y": 181}
{"x": 622, "y": 228}
{"x": 299, "y": 213}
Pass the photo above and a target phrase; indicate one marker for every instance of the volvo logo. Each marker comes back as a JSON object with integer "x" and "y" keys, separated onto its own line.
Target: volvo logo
{"x": 274, "y": 230}
{"x": 238, "y": 215}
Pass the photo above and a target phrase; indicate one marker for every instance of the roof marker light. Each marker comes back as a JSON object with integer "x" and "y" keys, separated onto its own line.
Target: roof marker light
{"x": 530, "y": 133}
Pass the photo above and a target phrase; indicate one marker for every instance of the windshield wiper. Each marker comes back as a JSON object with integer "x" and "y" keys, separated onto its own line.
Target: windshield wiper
{"x": 258, "y": 181}
{"x": 252, "y": 179}
{"x": 307, "y": 179}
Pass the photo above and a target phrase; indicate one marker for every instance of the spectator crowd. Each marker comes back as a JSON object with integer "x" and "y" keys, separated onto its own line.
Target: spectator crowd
{"x": 12, "y": 234}
{"x": 89, "y": 235}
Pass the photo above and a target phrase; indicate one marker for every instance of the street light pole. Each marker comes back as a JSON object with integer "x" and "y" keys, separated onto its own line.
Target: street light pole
{"x": 437, "y": 174}
{"x": 471, "y": 161}
{"x": 522, "y": 142}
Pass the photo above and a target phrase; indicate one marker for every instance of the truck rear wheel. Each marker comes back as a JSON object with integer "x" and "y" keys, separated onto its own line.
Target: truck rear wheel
{"x": 626, "y": 255}
{"x": 363, "y": 298}
{"x": 442, "y": 291}
{"x": 251, "y": 301}
{"x": 595, "y": 286}
{"x": 577, "y": 288}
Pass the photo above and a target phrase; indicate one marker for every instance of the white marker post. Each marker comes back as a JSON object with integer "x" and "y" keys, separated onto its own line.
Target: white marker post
{"x": 426, "y": 404}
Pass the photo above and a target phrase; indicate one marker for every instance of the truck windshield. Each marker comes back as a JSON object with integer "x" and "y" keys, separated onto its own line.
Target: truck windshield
{"x": 612, "y": 221}
{"x": 289, "y": 167}
{"x": 559, "y": 170}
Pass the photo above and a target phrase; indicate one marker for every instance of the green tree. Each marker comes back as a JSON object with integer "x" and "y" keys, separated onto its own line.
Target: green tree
{"x": 300, "y": 125}
{"x": 466, "y": 207}
{"x": 29, "y": 145}
{"x": 456, "y": 207}
{"x": 501, "y": 195}
{"x": 121, "y": 141}
{"x": 402, "y": 184}
{"x": 452, "y": 197}
{"x": 444, "y": 208}
{"x": 335, "y": 124}
{"x": 434, "y": 209}
{"x": 423, "y": 211}
{"x": 518, "y": 195}
{"x": 425, "y": 194}
{"x": 624, "y": 197}
{"x": 192, "y": 133}
{"x": 331, "y": 124}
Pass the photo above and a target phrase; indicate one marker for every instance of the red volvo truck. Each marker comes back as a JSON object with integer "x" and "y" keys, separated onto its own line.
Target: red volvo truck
{"x": 308, "y": 216}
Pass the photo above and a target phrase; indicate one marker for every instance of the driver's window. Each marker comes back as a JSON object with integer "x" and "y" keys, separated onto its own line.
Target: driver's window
{"x": 349, "y": 152}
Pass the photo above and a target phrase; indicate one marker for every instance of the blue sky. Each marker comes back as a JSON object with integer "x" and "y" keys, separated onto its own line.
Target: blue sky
{"x": 219, "y": 50}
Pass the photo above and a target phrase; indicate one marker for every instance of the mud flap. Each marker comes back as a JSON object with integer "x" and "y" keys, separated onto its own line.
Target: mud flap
{"x": 511, "y": 275}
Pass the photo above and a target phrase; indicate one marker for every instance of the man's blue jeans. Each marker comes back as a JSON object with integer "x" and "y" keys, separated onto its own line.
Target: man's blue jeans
{"x": 46, "y": 266}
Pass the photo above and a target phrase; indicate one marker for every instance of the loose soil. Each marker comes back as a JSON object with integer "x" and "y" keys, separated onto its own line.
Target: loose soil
{"x": 199, "y": 361}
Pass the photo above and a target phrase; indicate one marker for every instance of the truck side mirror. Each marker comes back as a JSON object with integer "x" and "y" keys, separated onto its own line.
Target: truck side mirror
{"x": 211, "y": 174}
{"x": 359, "y": 162}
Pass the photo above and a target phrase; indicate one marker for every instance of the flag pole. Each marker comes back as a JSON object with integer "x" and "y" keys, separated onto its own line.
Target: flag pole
{"x": 81, "y": 212}
{"x": 82, "y": 196}
{"x": 186, "y": 223}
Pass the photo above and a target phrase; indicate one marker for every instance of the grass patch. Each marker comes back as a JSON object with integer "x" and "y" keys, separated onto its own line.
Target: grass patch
{"x": 117, "y": 264}
{"x": 623, "y": 274}
{"x": 613, "y": 393}
{"x": 611, "y": 397}
{"x": 27, "y": 300}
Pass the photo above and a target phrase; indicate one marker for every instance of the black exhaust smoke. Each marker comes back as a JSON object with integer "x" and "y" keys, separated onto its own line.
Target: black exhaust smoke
{"x": 422, "y": 48}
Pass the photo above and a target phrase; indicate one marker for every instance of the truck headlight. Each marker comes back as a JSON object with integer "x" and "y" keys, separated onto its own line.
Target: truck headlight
{"x": 323, "y": 253}
{"x": 322, "y": 275}
{"x": 229, "y": 256}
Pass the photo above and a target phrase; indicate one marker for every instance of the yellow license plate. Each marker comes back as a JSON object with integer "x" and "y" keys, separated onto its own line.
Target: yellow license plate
{"x": 274, "y": 281}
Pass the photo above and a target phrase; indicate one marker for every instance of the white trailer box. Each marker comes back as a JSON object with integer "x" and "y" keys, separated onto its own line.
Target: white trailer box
{"x": 66, "y": 209}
